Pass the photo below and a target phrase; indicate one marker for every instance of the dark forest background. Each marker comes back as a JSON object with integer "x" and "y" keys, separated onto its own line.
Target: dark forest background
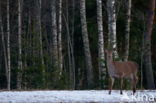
{"x": 38, "y": 64}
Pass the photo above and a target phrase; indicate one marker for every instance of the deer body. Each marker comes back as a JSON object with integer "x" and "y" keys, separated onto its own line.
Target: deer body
{"x": 121, "y": 70}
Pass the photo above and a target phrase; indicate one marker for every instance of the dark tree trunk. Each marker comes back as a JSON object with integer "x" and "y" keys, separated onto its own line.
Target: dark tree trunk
{"x": 85, "y": 38}
{"x": 3, "y": 45}
{"x": 147, "y": 62}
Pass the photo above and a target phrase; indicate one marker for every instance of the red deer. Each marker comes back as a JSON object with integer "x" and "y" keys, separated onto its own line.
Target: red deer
{"x": 121, "y": 70}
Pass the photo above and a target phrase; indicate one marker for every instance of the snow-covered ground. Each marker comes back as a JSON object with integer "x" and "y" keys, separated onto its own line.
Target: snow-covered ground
{"x": 96, "y": 96}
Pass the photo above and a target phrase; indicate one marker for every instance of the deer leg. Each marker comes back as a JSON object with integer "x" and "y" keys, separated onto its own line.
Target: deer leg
{"x": 134, "y": 87}
{"x": 111, "y": 84}
{"x": 121, "y": 86}
{"x": 134, "y": 84}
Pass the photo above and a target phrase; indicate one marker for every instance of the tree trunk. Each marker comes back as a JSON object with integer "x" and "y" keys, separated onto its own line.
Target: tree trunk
{"x": 101, "y": 56}
{"x": 4, "y": 46}
{"x": 147, "y": 62}
{"x": 72, "y": 43}
{"x": 127, "y": 34}
{"x": 19, "y": 75}
{"x": 112, "y": 41}
{"x": 40, "y": 38}
{"x": 71, "y": 59}
{"x": 54, "y": 41}
{"x": 8, "y": 46}
{"x": 60, "y": 38}
{"x": 85, "y": 38}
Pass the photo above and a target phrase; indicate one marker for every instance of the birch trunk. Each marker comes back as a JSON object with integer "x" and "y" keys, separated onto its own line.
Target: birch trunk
{"x": 147, "y": 45}
{"x": 8, "y": 46}
{"x": 60, "y": 38}
{"x": 19, "y": 75}
{"x": 112, "y": 41}
{"x": 127, "y": 34}
{"x": 54, "y": 39}
{"x": 85, "y": 38}
{"x": 101, "y": 56}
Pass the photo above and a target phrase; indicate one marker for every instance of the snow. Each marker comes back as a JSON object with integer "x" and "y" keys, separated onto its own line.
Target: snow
{"x": 76, "y": 96}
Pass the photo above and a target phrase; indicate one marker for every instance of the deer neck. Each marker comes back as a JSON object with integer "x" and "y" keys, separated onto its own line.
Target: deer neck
{"x": 110, "y": 66}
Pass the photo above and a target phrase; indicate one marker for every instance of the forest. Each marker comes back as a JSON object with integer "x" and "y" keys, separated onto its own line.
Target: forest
{"x": 61, "y": 44}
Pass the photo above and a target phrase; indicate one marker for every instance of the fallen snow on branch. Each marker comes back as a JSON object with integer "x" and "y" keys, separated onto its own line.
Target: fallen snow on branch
{"x": 82, "y": 96}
